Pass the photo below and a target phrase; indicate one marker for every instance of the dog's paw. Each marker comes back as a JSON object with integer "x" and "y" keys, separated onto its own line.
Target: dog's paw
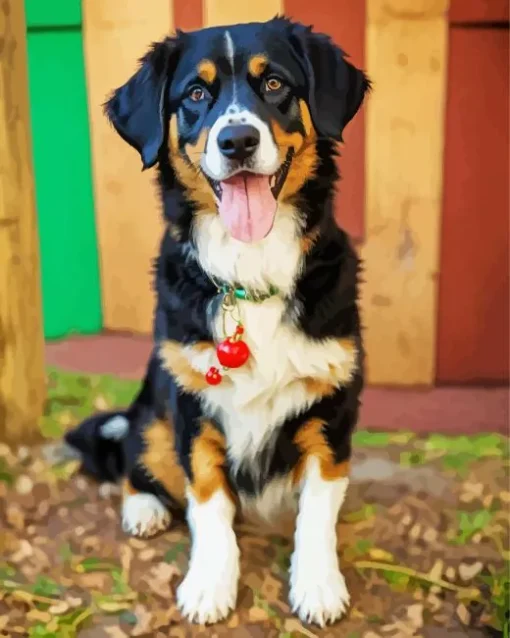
{"x": 319, "y": 596}
{"x": 209, "y": 590}
{"x": 144, "y": 515}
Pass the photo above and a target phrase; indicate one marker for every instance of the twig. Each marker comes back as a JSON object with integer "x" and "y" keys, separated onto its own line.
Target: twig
{"x": 16, "y": 590}
{"x": 472, "y": 593}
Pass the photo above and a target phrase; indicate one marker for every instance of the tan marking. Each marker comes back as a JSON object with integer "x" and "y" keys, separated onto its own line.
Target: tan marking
{"x": 308, "y": 240}
{"x": 173, "y": 134}
{"x": 257, "y": 65}
{"x": 191, "y": 177}
{"x": 176, "y": 360}
{"x": 207, "y": 71}
{"x": 159, "y": 458}
{"x": 128, "y": 489}
{"x": 318, "y": 387}
{"x": 312, "y": 442}
{"x": 208, "y": 454}
{"x": 305, "y": 159}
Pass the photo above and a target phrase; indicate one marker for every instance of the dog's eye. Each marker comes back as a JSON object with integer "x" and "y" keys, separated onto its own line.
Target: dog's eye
{"x": 196, "y": 93}
{"x": 273, "y": 84}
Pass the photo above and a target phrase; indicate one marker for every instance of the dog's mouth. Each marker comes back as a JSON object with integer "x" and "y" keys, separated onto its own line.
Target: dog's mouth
{"x": 247, "y": 201}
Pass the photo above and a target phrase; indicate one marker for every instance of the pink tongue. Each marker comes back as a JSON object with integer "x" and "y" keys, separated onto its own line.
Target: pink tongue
{"x": 247, "y": 206}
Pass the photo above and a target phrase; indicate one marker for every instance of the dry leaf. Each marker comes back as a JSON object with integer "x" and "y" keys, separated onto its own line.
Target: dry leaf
{"x": 270, "y": 589}
{"x": 436, "y": 572}
{"x": 15, "y": 516}
{"x": 468, "y": 572}
{"x": 257, "y": 614}
{"x": 463, "y": 614}
{"x": 147, "y": 554}
{"x": 59, "y": 608}
{"x": 415, "y": 615}
{"x": 112, "y": 606}
{"x": 144, "y": 617}
{"x": 115, "y": 632}
{"x": 160, "y": 577}
{"x": 24, "y": 484}
{"x": 35, "y": 615}
{"x": 292, "y": 624}
{"x": 24, "y": 551}
{"x": 380, "y": 554}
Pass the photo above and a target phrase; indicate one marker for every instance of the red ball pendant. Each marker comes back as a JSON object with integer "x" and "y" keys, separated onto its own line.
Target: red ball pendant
{"x": 232, "y": 353}
{"x": 213, "y": 376}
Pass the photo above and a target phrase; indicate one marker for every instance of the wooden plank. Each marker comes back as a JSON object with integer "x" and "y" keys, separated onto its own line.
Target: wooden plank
{"x": 478, "y": 11}
{"x": 473, "y": 340}
{"x": 406, "y": 58}
{"x": 220, "y": 12}
{"x": 22, "y": 379}
{"x": 344, "y": 21}
{"x": 188, "y": 15}
{"x": 116, "y": 34}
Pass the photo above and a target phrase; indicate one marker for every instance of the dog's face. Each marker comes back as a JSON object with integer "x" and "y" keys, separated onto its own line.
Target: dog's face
{"x": 239, "y": 110}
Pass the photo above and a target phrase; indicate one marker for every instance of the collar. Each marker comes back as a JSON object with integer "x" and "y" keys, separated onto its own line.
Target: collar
{"x": 239, "y": 292}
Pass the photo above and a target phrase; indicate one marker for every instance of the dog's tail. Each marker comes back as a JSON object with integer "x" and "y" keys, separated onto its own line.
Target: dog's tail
{"x": 98, "y": 440}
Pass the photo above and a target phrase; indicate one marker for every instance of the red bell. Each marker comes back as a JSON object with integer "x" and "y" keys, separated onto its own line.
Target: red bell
{"x": 213, "y": 376}
{"x": 233, "y": 352}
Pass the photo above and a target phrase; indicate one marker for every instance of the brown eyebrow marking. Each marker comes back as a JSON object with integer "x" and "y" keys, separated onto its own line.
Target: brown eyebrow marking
{"x": 257, "y": 64}
{"x": 207, "y": 71}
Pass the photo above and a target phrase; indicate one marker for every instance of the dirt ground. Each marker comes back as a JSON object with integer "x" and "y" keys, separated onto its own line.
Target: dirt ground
{"x": 423, "y": 544}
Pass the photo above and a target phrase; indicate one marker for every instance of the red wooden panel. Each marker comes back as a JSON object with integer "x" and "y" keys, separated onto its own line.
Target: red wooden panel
{"x": 473, "y": 340}
{"x": 188, "y": 14}
{"x": 478, "y": 11}
{"x": 344, "y": 21}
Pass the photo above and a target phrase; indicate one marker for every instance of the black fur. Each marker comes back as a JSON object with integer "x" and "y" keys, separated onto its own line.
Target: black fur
{"x": 326, "y": 291}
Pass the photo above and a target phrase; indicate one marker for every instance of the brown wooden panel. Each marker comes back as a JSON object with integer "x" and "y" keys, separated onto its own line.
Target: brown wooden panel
{"x": 473, "y": 342}
{"x": 129, "y": 224}
{"x": 478, "y": 11}
{"x": 406, "y": 56}
{"x": 188, "y": 14}
{"x": 220, "y": 12}
{"x": 344, "y": 21}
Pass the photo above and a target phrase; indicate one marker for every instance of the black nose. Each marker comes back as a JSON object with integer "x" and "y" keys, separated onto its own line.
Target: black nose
{"x": 238, "y": 142}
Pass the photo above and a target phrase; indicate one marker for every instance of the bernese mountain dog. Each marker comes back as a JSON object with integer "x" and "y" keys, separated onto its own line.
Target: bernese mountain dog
{"x": 252, "y": 389}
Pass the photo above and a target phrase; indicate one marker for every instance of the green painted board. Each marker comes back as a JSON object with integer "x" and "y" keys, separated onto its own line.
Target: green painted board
{"x": 63, "y": 181}
{"x": 53, "y": 13}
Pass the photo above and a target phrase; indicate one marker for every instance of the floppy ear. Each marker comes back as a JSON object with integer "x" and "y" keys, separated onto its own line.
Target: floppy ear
{"x": 137, "y": 109}
{"x": 336, "y": 87}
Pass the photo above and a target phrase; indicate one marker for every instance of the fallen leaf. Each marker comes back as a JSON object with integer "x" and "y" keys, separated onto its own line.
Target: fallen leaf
{"x": 468, "y": 572}
{"x": 292, "y": 624}
{"x": 270, "y": 588}
{"x": 35, "y": 615}
{"x": 15, "y": 516}
{"x": 160, "y": 577}
{"x": 257, "y": 614}
{"x": 415, "y": 615}
{"x": 463, "y": 614}
{"x": 143, "y": 618}
{"x": 380, "y": 554}
{"x": 59, "y": 608}
{"x": 115, "y": 632}
{"x": 147, "y": 554}
{"x": 24, "y": 484}
{"x": 436, "y": 573}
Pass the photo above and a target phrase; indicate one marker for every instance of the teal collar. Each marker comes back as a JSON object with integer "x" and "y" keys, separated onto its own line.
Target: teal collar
{"x": 249, "y": 295}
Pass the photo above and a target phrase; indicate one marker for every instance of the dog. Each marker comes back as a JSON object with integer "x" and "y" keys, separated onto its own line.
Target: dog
{"x": 253, "y": 386}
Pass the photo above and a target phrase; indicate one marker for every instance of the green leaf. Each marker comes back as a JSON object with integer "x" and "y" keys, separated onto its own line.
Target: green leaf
{"x": 39, "y": 631}
{"x": 6, "y": 571}
{"x": 367, "y": 511}
{"x": 172, "y": 554}
{"x": 365, "y": 438}
{"x": 44, "y": 586}
{"x": 92, "y": 564}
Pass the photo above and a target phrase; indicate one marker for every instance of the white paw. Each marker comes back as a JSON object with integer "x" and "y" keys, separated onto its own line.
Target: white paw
{"x": 209, "y": 591}
{"x": 318, "y": 596}
{"x": 144, "y": 515}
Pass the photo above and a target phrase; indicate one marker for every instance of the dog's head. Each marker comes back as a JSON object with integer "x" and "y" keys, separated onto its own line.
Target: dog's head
{"x": 239, "y": 111}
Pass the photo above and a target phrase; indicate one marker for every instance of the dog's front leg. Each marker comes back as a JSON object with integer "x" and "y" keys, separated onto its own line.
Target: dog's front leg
{"x": 317, "y": 587}
{"x": 209, "y": 589}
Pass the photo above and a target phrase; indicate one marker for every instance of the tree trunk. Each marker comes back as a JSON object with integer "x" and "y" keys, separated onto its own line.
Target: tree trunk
{"x": 22, "y": 378}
